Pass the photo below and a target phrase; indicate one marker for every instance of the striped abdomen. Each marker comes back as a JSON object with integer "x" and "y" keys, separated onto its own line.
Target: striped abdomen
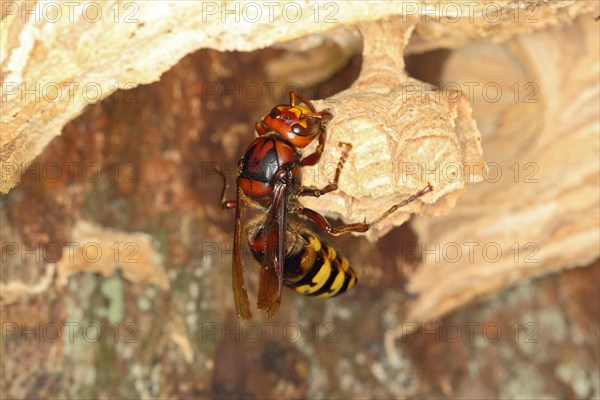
{"x": 313, "y": 268}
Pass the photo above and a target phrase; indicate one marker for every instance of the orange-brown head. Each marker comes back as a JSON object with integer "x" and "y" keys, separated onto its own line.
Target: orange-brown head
{"x": 296, "y": 123}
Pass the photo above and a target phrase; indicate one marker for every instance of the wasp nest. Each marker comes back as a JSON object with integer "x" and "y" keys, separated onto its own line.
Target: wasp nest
{"x": 405, "y": 135}
{"x": 539, "y": 205}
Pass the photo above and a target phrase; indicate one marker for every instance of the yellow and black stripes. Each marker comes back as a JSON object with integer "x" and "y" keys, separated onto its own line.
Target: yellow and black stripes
{"x": 315, "y": 269}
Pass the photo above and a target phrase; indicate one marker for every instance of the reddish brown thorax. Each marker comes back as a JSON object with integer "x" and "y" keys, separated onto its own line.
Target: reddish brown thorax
{"x": 262, "y": 159}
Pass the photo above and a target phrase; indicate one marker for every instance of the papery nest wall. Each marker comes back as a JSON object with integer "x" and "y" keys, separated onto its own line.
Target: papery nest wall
{"x": 399, "y": 127}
